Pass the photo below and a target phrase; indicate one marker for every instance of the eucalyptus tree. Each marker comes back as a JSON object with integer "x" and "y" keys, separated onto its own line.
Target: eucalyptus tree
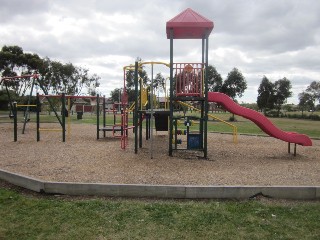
{"x": 282, "y": 92}
{"x": 235, "y": 84}
{"x": 214, "y": 79}
{"x": 265, "y": 99}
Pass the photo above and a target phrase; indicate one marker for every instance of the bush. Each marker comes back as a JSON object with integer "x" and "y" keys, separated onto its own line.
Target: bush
{"x": 272, "y": 113}
{"x": 232, "y": 119}
{"x": 313, "y": 117}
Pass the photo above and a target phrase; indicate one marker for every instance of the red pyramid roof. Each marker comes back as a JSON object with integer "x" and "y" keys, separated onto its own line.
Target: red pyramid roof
{"x": 189, "y": 25}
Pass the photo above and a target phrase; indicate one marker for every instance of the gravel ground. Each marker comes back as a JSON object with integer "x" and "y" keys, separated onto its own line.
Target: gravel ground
{"x": 253, "y": 161}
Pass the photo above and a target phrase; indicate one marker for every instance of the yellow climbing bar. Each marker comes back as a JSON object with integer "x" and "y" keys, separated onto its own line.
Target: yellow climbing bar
{"x": 26, "y": 105}
{"x": 163, "y": 63}
{"x": 235, "y": 130}
{"x": 131, "y": 68}
{"x": 50, "y": 129}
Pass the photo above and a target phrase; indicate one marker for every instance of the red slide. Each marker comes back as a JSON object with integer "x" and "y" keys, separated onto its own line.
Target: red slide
{"x": 259, "y": 119}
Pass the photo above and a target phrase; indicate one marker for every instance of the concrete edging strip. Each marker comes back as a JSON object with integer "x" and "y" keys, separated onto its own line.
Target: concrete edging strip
{"x": 162, "y": 191}
{"x": 22, "y": 181}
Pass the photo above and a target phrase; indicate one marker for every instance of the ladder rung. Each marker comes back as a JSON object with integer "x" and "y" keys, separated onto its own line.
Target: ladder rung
{"x": 50, "y": 129}
{"x": 26, "y": 105}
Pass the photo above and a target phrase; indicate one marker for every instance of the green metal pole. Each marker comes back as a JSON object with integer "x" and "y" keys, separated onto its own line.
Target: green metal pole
{"x": 27, "y": 113}
{"x": 151, "y": 114}
{"x": 104, "y": 114}
{"x": 171, "y": 94}
{"x": 63, "y": 100}
{"x": 140, "y": 130}
{"x": 38, "y": 117}
{"x": 15, "y": 122}
{"x": 206, "y": 106}
{"x": 136, "y": 107}
{"x": 203, "y": 95}
{"x": 98, "y": 117}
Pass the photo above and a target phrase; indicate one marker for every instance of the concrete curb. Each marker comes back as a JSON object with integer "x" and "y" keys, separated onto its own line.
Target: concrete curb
{"x": 22, "y": 181}
{"x": 162, "y": 191}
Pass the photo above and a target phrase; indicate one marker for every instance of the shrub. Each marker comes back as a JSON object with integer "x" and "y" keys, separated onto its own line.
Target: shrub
{"x": 313, "y": 117}
{"x": 272, "y": 113}
{"x": 232, "y": 119}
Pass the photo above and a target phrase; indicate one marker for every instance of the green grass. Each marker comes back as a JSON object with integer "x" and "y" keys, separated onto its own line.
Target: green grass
{"x": 308, "y": 127}
{"x": 30, "y": 217}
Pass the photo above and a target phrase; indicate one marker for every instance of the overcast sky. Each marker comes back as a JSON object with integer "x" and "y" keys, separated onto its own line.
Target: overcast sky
{"x": 276, "y": 38}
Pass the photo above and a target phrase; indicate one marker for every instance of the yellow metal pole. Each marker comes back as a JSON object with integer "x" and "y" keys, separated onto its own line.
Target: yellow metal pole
{"x": 152, "y": 63}
{"x": 235, "y": 131}
{"x": 50, "y": 129}
{"x": 25, "y": 105}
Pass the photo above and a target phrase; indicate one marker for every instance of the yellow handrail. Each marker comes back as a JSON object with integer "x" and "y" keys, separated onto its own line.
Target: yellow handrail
{"x": 50, "y": 129}
{"x": 26, "y": 105}
{"x": 142, "y": 63}
{"x": 131, "y": 107}
{"x": 235, "y": 130}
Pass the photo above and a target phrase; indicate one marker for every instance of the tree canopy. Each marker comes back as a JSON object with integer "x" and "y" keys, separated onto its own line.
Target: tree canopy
{"x": 305, "y": 101}
{"x": 235, "y": 84}
{"x": 214, "y": 79}
{"x": 273, "y": 95}
{"x": 282, "y": 92}
{"x": 55, "y": 77}
{"x": 314, "y": 90}
{"x": 265, "y": 99}
{"x": 14, "y": 62}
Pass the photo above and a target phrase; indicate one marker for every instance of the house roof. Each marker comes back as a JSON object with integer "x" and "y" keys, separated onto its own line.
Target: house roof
{"x": 189, "y": 25}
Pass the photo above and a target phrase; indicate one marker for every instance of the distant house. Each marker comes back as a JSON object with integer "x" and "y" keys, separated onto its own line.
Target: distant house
{"x": 109, "y": 104}
{"x": 87, "y": 105}
{"x": 78, "y": 104}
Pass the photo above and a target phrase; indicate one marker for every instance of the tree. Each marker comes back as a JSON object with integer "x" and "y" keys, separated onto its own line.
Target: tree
{"x": 67, "y": 78}
{"x": 92, "y": 85}
{"x": 314, "y": 90}
{"x": 14, "y": 62}
{"x": 235, "y": 84}
{"x": 54, "y": 76}
{"x": 142, "y": 75}
{"x": 115, "y": 94}
{"x": 10, "y": 60}
{"x": 281, "y": 92}
{"x": 4, "y": 99}
{"x": 214, "y": 79}
{"x": 159, "y": 82}
{"x": 305, "y": 101}
{"x": 265, "y": 99}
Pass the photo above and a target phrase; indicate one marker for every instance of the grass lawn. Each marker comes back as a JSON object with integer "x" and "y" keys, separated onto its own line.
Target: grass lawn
{"x": 25, "y": 216}
{"x": 35, "y": 216}
{"x": 308, "y": 127}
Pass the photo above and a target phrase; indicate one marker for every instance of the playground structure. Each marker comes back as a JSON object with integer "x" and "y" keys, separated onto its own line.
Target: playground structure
{"x": 187, "y": 83}
{"x": 54, "y": 169}
{"x": 65, "y": 108}
{"x": 6, "y": 81}
{"x": 188, "y": 87}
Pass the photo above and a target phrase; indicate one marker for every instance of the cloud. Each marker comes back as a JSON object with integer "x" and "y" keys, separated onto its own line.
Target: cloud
{"x": 272, "y": 38}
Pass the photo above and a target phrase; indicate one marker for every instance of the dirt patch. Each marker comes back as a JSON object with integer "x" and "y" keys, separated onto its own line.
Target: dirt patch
{"x": 253, "y": 161}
